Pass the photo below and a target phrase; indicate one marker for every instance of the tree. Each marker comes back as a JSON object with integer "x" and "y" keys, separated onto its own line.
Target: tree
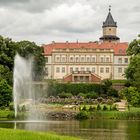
{"x": 29, "y": 49}
{"x": 132, "y": 73}
{"x": 5, "y": 93}
{"x": 132, "y": 95}
{"x": 6, "y": 74}
{"x": 108, "y": 89}
{"x": 134, "y": 47}
{"x": 8, "y": 49}
{"x": 107, "y": 83}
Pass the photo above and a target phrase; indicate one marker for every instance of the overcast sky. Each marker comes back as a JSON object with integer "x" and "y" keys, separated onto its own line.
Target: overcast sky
{"x": 43, "y": 21}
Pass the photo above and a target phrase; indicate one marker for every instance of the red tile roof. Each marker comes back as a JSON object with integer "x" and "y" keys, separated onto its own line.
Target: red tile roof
{"x": 119, "y": 48}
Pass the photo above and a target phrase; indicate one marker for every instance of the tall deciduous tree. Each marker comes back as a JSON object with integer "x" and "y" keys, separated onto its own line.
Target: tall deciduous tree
{"x": 8, "y": 49}
{"x": 134, "y": 47}
{"x": 133, "y": 71}
{"x": 30, "y": 49}
{"x": 5, "y": 93}
{"x": 6, "y": 74}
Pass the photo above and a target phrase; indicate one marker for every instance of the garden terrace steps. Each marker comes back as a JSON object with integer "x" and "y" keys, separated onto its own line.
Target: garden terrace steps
{"x": 121, "y": 105}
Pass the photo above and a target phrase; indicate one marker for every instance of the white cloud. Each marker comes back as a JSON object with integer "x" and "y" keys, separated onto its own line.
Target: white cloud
{"x": 60, "y": 20}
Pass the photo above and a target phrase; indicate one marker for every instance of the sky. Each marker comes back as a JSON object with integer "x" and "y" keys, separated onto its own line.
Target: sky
{"x": 44, "y": 21}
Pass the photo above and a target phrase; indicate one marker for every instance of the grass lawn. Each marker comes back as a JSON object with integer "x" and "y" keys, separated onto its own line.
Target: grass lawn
{"x": 134, "y": 109}
{"x": 11, "y": 134}
{"x": 5, "y": 113}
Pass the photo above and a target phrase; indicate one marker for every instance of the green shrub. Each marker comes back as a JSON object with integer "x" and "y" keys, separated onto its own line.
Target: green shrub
{"x": 11, "y": 106}
{"x": 82, "y": 95}
{"x": 11, "y": 115}
{"x": 80, "y": 108}
{"x": 92, "y": 95}
{"x": 114, "y": 107}
{"x": 74, "y": 88}
{"x": 98, "y": 107}
{"x": 82, "y": 115}
{"x": 105, "y": 108}
{"x": 5, "y": 93}
{"x": 92, "y": 108}
{"x": 84, "y": 108}
{"x": 112, "y": 92}
{"x": 132, "y": 95}
{"x": 65, "y": 95}
{"x": 2, "y": 107}
{"x": 110, "y": 108}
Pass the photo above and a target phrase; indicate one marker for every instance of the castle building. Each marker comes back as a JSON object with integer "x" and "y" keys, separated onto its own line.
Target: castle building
{"x": 88, "y": 62}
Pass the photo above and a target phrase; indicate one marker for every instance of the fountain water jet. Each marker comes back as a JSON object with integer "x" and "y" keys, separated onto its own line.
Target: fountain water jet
{"x": 23, "y": 89}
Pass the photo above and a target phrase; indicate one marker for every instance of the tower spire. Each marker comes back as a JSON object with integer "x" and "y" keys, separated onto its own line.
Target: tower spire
{"x": 109, "y": 22}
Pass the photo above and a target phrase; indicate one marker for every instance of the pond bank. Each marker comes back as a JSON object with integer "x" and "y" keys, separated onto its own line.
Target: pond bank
{"x": 116, "y": 115}
{"x": 71, "y": 115}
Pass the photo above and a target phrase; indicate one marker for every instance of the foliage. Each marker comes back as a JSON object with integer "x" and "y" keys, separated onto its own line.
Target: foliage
{"x": 82, "y": 95}
{"x": 99, "y": 107}
{"x": 92, "y": 95}
{"x": 132, "y": 72}
{"x": 8, "y": 50}
{"x": 92, "y": 108}
{"x": 6, "y": 74}
{"x": 105, "y": 108}
{"x": 85, "y": 90}
{"x": 82, "y": 115}
{"x": 29, "y": 49}
{"x": 5, "y": 93}
{"x": 134, "y": 47}
{"x": 117, "y": 115}
{"x": 132, "y": 95}
{"x": 11, "y": 106}
{"x": 65, "y": 95}
{"x": 5, "y": 113}
{"x": 84, "y": 108}
{"x": 95, "y": 90}
{"x": 52, "y": 88}
{"x": 107, "y": 83}
{"x": 114, "y": 108}
{"x": 112, "y": 92}
{"x": 108, "y": 88}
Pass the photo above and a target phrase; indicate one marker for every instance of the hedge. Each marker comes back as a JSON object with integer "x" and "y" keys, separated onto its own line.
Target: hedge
{"x": 74, "y": 88}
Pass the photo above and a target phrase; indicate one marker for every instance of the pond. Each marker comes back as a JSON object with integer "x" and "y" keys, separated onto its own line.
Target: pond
{"x": 87, "y": 130}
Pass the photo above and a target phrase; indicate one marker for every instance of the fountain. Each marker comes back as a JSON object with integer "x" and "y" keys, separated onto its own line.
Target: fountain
{"x": 23, "y": 89}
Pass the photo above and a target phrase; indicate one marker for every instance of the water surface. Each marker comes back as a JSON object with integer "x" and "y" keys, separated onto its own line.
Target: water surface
{"x": 87, "y": 130}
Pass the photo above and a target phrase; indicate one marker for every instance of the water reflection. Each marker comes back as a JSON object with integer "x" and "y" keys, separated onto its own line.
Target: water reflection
{"x": 89, "y": 129}
{"x": 15, "y": 125}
